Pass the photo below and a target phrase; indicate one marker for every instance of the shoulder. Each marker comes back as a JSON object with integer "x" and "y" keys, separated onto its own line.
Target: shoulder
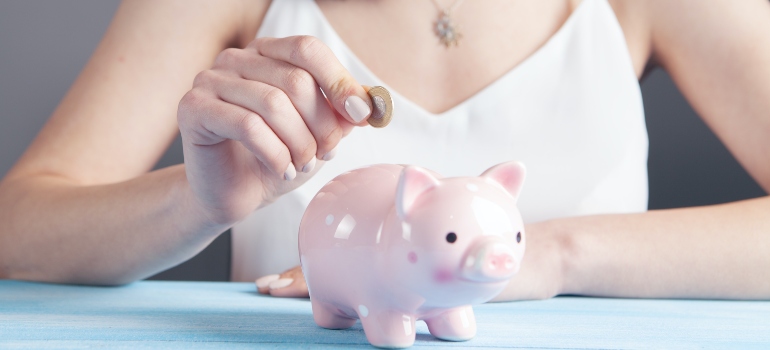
{"x": 656, "y": 27}
{"x": 236, "y": 21}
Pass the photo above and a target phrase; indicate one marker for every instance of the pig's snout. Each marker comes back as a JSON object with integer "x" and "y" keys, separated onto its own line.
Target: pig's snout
{"x": 489, "y": 261}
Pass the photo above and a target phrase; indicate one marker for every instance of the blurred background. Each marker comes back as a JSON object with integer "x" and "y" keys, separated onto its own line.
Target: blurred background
{"x": 45, "y": 43}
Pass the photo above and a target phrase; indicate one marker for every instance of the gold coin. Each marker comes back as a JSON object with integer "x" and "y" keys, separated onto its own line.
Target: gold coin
{"x": 383, "y": 107}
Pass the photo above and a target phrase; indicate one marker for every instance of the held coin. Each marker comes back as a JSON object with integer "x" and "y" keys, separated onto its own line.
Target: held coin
{"x": 383, "y": 107}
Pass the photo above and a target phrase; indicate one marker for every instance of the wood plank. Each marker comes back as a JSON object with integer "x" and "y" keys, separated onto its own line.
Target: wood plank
{"x": 231, "y": 315}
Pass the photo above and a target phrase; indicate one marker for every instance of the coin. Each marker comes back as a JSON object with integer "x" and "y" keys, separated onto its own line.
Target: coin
{"x": 383, "y": 107}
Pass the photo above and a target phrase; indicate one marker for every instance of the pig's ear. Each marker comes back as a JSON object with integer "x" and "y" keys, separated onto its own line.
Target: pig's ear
{"x": 413, "y": 182}
{"x": 510, "y": 175}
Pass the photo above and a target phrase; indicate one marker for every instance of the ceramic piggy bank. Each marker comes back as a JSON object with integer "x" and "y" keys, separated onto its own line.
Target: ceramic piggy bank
{"x": 390, "y": 245}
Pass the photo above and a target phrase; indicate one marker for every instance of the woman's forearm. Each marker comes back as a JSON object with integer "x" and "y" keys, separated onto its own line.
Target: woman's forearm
{"x": 720, "y": 251}
{"x": 52, "y": 230}
{"x": 713, "y": 252}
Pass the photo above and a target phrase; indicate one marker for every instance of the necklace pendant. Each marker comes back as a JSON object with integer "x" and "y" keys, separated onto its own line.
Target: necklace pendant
{"x": 447, "y": 31}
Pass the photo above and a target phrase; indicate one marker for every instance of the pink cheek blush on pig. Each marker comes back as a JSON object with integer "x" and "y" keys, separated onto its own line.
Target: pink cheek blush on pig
{"x": 390, "y": 245}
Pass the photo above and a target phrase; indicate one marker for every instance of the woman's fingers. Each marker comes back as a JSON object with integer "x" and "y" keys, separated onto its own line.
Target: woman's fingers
{"x": 263, "y": 283}
{"x": 212, "y": 120}
{"x": 324, "y": 123}
{"x": 313, "y": 56}
{"x": 276, "y": 109}
{"x": 289, "y": 284}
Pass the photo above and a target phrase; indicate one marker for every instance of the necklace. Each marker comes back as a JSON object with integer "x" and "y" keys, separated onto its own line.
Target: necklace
{"x": 446, "y": 29}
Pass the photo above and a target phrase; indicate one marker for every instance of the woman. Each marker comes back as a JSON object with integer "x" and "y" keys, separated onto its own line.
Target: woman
{"x": 553, "y": 84}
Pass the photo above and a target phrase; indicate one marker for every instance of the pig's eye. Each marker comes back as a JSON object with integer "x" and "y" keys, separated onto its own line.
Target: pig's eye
{"x": 451, "y": 237}
{"x": 518, "y": 237}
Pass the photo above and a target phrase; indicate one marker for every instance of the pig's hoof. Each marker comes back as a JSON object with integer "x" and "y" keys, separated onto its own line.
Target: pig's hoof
{"x": 326, "y": 316}
{"x": 335, "y": 322}
{"x": 453, "y": 337}
{"x": 388, "y": 345}
{"x": 454, "y": 325}
{"x": 388, "y": 329}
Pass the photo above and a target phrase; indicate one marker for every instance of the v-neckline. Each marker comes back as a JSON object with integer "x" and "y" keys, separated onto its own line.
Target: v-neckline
{"x": 499, "y": 80}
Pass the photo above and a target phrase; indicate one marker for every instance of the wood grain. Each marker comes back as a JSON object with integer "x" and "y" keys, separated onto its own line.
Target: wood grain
{"x": 192, "y": 315}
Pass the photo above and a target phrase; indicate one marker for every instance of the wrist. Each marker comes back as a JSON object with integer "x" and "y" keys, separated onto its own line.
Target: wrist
{"x": 558, "y": 240}
{"x": 563, "y": 239}
{"x": 197, "y": 217}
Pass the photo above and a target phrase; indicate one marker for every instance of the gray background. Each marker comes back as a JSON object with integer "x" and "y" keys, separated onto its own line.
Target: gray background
{"x": 44, "y": 44}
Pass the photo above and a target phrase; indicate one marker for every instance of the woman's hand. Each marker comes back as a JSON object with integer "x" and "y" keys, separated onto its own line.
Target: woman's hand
{"x": 540, "y": 277}
{"x": 257, "y": 120}
{"x": 291, "y": 283}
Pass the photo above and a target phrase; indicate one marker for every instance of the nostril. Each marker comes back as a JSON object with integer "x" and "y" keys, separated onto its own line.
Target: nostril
{"x": 500, "y": 262}
{"x": 508, "y": 263}
{"x": 490, "y": 262}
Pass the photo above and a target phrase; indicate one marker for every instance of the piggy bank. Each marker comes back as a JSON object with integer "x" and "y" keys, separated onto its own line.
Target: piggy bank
{"x": 391, "y": 244}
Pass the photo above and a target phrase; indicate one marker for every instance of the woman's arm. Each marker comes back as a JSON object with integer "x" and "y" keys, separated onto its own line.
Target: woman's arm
{"x": 714, "y": 252}
{"x": 720, "y": 252}
{"x": 79, "y": 206}
{"x": 718, "y": 53}
{"x": 56, "y": 230}
{"x": 254, "y": 125}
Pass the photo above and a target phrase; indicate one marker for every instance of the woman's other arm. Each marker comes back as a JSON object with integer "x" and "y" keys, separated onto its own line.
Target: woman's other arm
{"x": 718, "y": 53}
{"x": 713, "y": 252}
{"x": 79, "y": 206}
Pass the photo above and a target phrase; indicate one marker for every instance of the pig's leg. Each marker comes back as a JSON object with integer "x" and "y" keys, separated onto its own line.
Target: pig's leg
{"x": 388, "y": 328}
{"x": 327, "y": 316}
{"x": 456, "y": 324}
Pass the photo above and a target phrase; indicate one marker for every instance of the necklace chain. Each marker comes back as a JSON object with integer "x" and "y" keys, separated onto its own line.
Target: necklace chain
{"x": 445, "y": 28}
{"x": 452, "y": 7}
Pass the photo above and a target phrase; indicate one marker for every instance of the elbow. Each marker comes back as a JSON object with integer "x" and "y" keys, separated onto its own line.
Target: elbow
{"x": 74, "y": 275}
{"x": 25, "y": 256}
{"x": 88, "y": 277}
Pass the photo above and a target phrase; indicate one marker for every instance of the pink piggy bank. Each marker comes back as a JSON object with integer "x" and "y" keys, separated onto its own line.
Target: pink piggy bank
{"x": 390, "y": 245}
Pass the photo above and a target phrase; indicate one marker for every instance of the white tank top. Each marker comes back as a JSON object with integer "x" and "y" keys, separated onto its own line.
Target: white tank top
{"x": 571, "y": 112}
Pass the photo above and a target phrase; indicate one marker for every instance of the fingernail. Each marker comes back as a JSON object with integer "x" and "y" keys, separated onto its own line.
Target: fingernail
{"x": 329, "y": 155}
{"x": 357, "y": 108}
{"x": 290, "y": 172}
{"x": 265, "y": 281}
{"x": 281, "y": 283}
{"x": 309, "y": 166}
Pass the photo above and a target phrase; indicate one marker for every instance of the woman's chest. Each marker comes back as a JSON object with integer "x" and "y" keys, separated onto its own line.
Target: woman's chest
{"x": 397, "y": 41}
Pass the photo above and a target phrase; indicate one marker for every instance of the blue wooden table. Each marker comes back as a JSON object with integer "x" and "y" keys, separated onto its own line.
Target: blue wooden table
{"x": 188, "y": 315}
